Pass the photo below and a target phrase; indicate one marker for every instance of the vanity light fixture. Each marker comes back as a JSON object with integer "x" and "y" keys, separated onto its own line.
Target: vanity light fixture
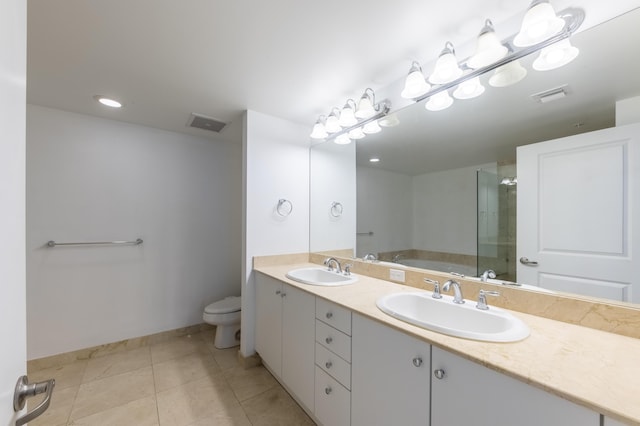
{"x": 374, "y": 160}
{"x": 353, "y": 121}
{"x": 112, "y": 103}
{"x": 542, "y": 31}
{"x": 390, "y": 120}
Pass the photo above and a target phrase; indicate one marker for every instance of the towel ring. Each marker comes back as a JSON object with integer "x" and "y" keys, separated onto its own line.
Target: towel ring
{"x": 284, "y": 208}
{"x": 336, "y": 209}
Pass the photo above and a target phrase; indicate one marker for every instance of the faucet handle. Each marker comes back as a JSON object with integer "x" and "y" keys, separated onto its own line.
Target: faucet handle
{"x": 347, "y": 269}
{"x": 482, "y": 299}
{"x": 436, "y": 288}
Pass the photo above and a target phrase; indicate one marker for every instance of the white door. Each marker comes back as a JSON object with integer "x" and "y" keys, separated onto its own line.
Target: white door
{"x": 13, "y": 49}
{"x": 578, "y": 199}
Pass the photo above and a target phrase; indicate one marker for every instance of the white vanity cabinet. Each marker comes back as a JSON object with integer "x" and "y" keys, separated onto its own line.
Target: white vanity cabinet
{"x": 333, "y": 364}
{"x": 285, "y": 330}
{"x": 465, "y": 393}
{"x": 391, "y": 376}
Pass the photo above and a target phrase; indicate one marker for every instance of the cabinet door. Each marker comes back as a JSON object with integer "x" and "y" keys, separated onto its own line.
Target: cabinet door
{"x": 390, "y": 376}
{"x": 469, "y": 393}
{"x": 298, "y": 343}
{"x": 269, "y": 322}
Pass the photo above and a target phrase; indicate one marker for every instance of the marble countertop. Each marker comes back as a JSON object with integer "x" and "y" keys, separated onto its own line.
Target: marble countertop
{"x": 593, "y": 368}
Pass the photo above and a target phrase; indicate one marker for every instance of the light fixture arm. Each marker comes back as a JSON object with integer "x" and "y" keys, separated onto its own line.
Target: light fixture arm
{"x": 573, "y": 18}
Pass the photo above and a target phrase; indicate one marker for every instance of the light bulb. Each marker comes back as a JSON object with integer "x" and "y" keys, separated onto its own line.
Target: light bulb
{"x": 489, "y": 48}
{"x": 371, "y": 128}
{"x": 390, "y": 120}
{"x": 343, "y": 139}
{"x": 332, "y": 124}
{"x": 347, "y": 115}
{"x": 366, "y": 108}
{"x": 555, "y": 56}
{"x": 469, "y": 89}
{"x": 508, "y": 74}
{"x": 539, "y": 24}
{"x": 446, "y": 69}
{"x": 112, "y": 103}
{"x": 414, "y": 84}
{"x": 439, "y": 101}
{"x": 319, "y": 131}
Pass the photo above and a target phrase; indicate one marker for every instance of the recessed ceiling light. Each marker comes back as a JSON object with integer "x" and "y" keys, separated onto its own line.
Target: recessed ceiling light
{"x": 374, "y": 160}
{"x": 107, "y": 101}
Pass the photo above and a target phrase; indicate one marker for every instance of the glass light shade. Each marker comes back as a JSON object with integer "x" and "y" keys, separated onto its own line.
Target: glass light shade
{"x": 508, "y": 74}
{"x": 356, "y": 133}
{"x": 371, "y": 128}
{"x": 555, "y": 56}
{"x": 343, "y": 139}
{"x": 539, "y": 23}
{"x": 446, "y": 69}
{"x": 366, "y": 107}
{"x": 348, "y": 114}
{"x": 415, "y": 84}
{"x": 390, "y": 120}
{"x": 439, "y": 102}
{"x": 489, "y": 48}
{"x": 318, "y": 131}
{"x": 332, "y": 124}
{"x": 469, "y": 89}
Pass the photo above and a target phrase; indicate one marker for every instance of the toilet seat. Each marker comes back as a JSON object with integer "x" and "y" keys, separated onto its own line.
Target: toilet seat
{"x": 224, "y": 306}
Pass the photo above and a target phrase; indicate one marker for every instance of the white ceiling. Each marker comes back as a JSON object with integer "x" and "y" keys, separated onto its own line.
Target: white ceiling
{"x": 293, "y": 59}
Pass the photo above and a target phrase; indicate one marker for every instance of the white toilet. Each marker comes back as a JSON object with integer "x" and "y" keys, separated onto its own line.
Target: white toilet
{"x": 225, "y": 315}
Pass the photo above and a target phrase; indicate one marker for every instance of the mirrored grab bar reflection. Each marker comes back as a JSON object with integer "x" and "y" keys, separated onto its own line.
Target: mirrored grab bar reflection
{"x": 93, "y": 243}
{"x": 370, "y": 233}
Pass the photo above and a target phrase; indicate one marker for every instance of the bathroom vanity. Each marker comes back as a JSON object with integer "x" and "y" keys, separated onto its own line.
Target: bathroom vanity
{"x": 348, "y": 363}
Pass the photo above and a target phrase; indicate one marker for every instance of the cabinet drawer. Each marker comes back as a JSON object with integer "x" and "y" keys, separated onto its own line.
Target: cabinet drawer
{"x": 333, "y": 401}
{"x": 334, "y": 315}
{"x": 334, "y": 340}
{"x": 335, "y": 366}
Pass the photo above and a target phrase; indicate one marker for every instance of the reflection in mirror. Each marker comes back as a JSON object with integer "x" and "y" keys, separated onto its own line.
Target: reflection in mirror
{"x": 444, "y": 188}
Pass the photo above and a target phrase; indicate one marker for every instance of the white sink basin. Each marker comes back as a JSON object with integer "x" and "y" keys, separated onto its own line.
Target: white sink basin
{"x": 444, "y": 316}
{"x": 320, "y": 276}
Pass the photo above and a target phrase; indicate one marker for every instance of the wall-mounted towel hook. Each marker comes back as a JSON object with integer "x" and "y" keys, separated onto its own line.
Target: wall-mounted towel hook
{"x": 284, "y": 208}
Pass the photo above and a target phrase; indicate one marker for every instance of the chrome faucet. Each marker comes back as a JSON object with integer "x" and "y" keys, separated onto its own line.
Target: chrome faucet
{"x": 328, "y": 261}
{"x": 489, "y": 273}
{"x": 457, "y": 292}
{"x": 369, "y": 257}
{"x": 396, "y": 258}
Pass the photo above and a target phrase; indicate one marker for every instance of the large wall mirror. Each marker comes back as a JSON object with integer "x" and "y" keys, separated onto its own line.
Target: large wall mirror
{"x": 443, "y": 194}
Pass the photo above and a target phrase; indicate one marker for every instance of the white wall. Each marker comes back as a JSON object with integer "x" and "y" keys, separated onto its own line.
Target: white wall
{"x": 332, "y": 180}
{"x": 275, "y": 166}
{"x": 385, "y": 207}
{"x": 628, "y": 111}
{"x": 91, "y": 179}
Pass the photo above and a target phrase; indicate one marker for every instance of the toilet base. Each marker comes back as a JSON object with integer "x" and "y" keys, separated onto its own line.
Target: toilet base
{"x": 227, "y": 336}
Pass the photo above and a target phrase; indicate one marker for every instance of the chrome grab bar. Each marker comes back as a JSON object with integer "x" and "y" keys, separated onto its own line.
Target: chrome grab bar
{"x": 93, "y": 243}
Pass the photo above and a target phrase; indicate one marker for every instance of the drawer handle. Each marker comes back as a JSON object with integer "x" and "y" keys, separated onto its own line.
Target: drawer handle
{"x": 327, "y": 390}
{"x": 328, "y": 364}
{"x": 328, "y": 340}
{"x": 417, "y": 361}
{"x": 329, "y": 315}
{"x": 439, "y": 373}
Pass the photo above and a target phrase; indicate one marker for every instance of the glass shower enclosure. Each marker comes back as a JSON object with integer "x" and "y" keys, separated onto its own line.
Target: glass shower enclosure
{"x": 496, "y": 216}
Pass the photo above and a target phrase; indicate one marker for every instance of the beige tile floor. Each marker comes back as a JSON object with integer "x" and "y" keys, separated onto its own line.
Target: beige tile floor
{"x": 181, "y": 381}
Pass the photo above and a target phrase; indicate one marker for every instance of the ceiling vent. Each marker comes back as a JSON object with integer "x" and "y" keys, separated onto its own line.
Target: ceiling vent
{"x": 551, "y": 94}
{"x": 203, "y": 122}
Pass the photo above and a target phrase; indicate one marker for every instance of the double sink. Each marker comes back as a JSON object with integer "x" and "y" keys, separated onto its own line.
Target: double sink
{"x": 419, "y": 308}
